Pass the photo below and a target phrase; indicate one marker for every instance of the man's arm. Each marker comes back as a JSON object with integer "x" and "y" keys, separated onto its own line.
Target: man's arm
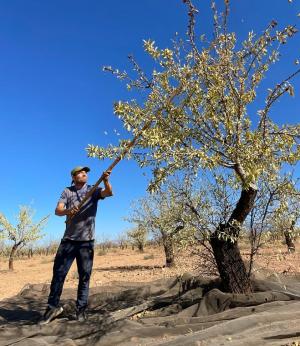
{"x": 107, "y": 192}
{"x": 60, "y": 210}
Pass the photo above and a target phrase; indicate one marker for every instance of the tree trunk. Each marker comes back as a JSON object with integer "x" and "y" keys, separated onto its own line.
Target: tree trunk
{"x": 232, "y": 270}
{"x": 141, "y": 247}
{"x": 169, "y": 249}
{"x": 289, "y": 238}
{"x": 30, "y": 253}
{"x": 11, "y": 257}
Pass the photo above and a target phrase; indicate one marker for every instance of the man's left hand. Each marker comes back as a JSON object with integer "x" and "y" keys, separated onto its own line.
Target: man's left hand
{"x": 106, "y": 175}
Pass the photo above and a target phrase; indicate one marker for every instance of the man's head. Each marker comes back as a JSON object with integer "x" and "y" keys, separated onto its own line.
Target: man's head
{"x": 79, "y": 174}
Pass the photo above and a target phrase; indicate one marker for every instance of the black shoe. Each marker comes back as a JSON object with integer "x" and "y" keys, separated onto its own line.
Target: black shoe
{"x": 50, "y": 314}
{"x": 81, "y": 315}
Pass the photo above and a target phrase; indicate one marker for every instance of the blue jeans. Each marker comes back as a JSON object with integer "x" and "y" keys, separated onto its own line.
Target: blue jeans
{"x": 68, "y": 250}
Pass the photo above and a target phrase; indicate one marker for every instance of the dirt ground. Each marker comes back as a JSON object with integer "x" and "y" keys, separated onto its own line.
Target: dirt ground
{"x": 131, "y": 266}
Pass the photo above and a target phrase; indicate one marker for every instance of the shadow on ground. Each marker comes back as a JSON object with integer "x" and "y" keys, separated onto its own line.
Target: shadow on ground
{"x": 185, "y": 310}
{"x": 128, "y": 268}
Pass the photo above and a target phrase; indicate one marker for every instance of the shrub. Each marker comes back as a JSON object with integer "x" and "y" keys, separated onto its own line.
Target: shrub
{"x": 147, "y": 257}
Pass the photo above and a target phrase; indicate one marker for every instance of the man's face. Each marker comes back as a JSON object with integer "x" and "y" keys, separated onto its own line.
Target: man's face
{"x": 80, "y": 177}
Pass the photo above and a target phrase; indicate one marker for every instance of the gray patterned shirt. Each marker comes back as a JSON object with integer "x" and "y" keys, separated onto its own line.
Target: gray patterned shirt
{"x": 82, "y": 225}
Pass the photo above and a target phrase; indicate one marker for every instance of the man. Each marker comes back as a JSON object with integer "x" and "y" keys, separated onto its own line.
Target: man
{"x": 77, "y": 242}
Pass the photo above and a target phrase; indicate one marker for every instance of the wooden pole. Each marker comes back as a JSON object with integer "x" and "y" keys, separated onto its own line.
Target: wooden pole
{"x": 119, "y": 158}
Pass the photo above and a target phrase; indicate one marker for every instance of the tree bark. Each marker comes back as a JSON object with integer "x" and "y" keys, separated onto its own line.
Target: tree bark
{"x": 289, "y": 238}
{"x": 141, "y": 247}
{"x": 169, "y": 249}
{"x": 30, "y": 253}
{"x": 11, "y": 256}
{"x": 232, "y": 270}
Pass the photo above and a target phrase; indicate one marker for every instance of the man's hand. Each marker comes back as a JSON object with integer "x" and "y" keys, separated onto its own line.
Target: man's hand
{"x": 106, "y": 175}
{"x": 61, "y": 211}
{"x": 107, "y": 192}
{"x": 72, "y": 211}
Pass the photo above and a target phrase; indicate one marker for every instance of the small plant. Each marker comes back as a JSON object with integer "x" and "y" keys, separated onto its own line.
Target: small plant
{"x": 102, "y": 252}
{"x": 47, "y": 260}
{"x": 147, "y": 257}
{"x": 75, "y": 276}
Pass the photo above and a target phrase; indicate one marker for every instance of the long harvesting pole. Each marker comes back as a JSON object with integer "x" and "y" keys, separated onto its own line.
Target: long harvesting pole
{"x": 119, "y": 158}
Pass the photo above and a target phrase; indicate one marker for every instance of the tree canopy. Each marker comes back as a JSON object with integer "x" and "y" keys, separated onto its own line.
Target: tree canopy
{"x": 197, "y": 106}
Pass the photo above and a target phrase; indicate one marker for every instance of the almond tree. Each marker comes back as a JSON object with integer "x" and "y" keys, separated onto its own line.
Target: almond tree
{"x": 122, "y": 240}
{"x": 286, "y": 212}
{"x": 164, "y": 214}
{"x": 275, "y": 211}
{"x": 23, "y": 233}
{"x": 195, "y": 114}
{"x": 138, "y": 236}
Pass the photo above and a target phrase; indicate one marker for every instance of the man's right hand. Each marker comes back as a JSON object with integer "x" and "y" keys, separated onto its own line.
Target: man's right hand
{"x": 61, "y": 211}
{"x": 72, "y": 211}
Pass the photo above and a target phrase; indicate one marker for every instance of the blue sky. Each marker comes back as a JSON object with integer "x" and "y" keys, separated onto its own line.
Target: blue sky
{"x": 55, "y": 99}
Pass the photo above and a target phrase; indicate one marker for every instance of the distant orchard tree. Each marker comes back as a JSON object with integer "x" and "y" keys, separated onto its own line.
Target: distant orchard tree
{"x": 286, "y": 212}
{"x": 198, "y": 111}
{"x": 275, "y": 211}
{"x": 164, "y": 214}
{"x": 23, "y": 233}
{"x": 138, "y": 237}
{"x": 122, "y": 240}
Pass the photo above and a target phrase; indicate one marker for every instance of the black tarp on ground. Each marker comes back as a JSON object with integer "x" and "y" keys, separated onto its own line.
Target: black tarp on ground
{"x": 186, "y": 310}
